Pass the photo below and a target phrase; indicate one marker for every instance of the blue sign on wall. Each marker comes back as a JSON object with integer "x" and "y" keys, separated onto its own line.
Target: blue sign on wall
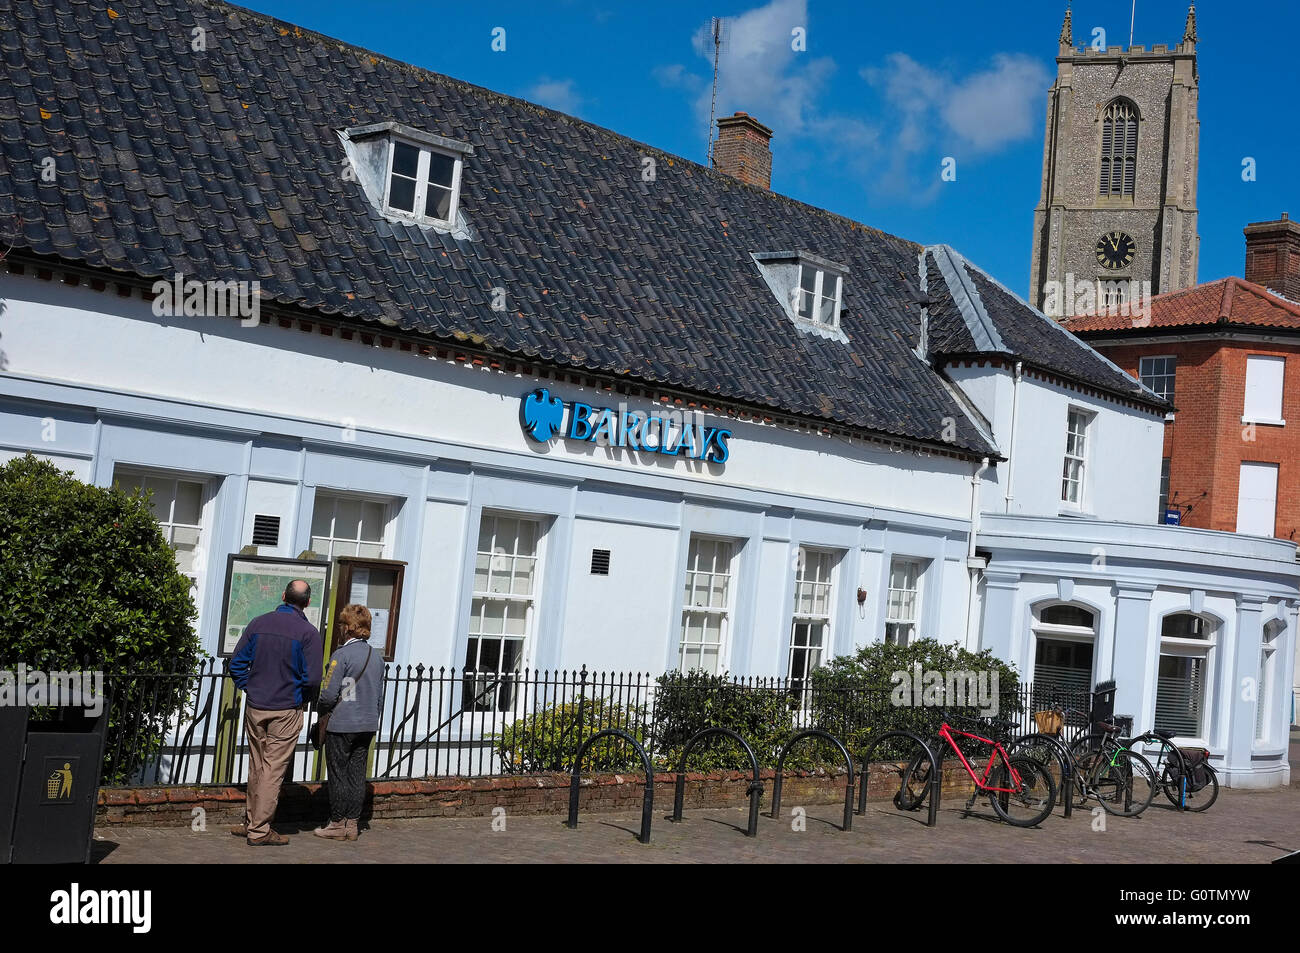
{"x": 671, "y": 433}
{"x": 1173, "y": 517}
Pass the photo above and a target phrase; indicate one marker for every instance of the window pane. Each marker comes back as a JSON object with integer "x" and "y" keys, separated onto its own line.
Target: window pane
{"x": 481, "y": 572}
{"x": 186, "y": 541}
{"x": 372, "y": 522}
{"x": 441, "y": 168}
{"x": 401, "y": 194}
{"x": 406, "y": 159}
{"x": 370, "y": 550}
{"x": 347, "y": 519}
{"x": 189, "y": 498}
{"x": 437, "y": 203}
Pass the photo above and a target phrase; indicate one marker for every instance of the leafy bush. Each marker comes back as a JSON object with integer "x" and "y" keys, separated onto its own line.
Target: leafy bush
{"x": 549, "y": 740}
{"x": 690, "y": 702}
{"x": 856, "y": 696}
{"x": 88, "y": 582}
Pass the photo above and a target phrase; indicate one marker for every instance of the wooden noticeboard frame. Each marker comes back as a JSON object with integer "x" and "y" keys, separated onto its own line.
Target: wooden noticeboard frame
{"x": 349, "y": 568}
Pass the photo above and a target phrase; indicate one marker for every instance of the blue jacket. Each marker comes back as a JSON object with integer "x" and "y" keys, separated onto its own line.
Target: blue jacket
{"x": 278, "y": 660}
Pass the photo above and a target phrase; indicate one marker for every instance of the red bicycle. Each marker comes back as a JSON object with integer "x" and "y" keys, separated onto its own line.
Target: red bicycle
{"x": 1021, "y": 791}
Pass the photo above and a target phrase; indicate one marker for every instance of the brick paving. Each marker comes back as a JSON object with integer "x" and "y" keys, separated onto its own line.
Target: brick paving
{"x": 1242, "y": 827}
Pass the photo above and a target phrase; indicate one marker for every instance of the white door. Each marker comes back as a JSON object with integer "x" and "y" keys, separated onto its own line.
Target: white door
{"x": 1257, "y": 499}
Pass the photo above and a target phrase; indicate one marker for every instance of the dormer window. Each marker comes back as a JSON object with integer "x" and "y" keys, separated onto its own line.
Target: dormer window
{"x": 408, "y": 174}
{"x": 810, "y": 289}
{"x": 423, "y": 182}
{"x": 819, "y": 296}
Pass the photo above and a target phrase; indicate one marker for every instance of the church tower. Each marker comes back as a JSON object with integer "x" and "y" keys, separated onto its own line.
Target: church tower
{"x": 1118, "y": 206}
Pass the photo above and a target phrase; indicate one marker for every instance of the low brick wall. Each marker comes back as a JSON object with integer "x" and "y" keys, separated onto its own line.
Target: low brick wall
{"x": 477, "y": 797}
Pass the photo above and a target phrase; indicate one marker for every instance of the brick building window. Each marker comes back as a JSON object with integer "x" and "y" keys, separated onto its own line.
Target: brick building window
{"x": 1158, "y": 374}
{"x": 1119, "y": 144}
{"x": 1164, "y": 490}
{"x": 1264, "y": 378}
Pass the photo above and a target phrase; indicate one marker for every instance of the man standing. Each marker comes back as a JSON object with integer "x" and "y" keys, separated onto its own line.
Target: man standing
{"x": 277, "y": 663}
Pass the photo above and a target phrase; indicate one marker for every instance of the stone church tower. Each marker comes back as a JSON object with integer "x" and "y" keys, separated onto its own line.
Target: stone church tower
{"x": 1118, "y": 206}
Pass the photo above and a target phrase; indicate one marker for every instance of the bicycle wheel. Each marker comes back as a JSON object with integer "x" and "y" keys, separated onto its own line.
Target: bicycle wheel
{"x": 1032, "y": 795}
{"x": 1049, "y": 752}
{"x": 1124, "y": 783}
{"x": 1201, "y": 798}
{"x": 916, "y": 784}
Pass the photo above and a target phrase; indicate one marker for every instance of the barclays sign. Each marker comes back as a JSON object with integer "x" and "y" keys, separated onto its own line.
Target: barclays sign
{"x": 671, "y": 433}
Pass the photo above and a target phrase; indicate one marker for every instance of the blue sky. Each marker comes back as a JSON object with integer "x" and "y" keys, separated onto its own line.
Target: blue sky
{"x": 864, "y": 116}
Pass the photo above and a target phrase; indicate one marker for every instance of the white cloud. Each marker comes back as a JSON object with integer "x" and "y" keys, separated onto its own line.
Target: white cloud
{"x": 985, "y": 110}
{"x": 556, "y": 93}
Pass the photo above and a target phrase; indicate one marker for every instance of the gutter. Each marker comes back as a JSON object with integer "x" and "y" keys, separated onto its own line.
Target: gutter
{"x": 1011, "y": 449}
{"x": 974, "y": 564}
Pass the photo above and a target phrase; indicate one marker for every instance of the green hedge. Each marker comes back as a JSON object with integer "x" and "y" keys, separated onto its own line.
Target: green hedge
{"x": 89, "y": 583}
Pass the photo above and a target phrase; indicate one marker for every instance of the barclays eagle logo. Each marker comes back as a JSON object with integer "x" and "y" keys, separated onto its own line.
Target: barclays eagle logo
{"x": 543, "y": 415}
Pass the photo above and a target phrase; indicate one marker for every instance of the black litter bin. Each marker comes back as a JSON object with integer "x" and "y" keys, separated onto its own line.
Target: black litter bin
{"x": 1103, "y": 703}
{"x": 48, "y": 801}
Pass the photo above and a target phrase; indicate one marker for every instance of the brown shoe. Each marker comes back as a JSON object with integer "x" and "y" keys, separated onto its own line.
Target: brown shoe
{"x": 270, "y": 840}
{"x": 334, "y": 830}
{"x": 240, "y": 830}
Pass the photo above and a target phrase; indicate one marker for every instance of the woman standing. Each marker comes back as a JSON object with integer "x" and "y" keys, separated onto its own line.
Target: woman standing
{"x": 350, "y": 699}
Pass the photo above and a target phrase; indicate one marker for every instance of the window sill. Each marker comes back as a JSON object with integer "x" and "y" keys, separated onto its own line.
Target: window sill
{"x": 1075, "y": 512}
{"x": 1263, "y": 421}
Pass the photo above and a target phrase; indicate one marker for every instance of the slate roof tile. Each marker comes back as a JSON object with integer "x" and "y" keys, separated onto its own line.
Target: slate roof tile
{"x": 226, "y": 165}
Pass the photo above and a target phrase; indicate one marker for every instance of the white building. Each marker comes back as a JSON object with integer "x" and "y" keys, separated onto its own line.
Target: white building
{"x": 888, "y": 443}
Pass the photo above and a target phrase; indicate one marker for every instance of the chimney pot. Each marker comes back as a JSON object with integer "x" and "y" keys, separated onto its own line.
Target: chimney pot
{"x": 743, "y": 149}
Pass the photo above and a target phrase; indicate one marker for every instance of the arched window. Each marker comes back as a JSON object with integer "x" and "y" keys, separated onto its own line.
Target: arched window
{"x": 1119, "y": 148}
{"x": 1266, "y": 690}
{"x": 1064, "y": 638}
{"x": 1182, "y": 680}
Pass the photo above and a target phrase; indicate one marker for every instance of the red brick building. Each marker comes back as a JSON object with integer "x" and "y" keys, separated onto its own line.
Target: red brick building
{"x": 1227, "y": 353}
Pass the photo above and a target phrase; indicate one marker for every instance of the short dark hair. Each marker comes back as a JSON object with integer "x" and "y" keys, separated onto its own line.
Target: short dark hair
{"x": 298, "y": 593}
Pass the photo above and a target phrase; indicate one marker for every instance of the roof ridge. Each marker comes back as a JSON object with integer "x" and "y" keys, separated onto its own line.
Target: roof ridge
{"x": 983, "y": 331}
{"x": 1069, "y": 335}
{"x": 300, "y": 32}
{"x": 1269, "y": 295}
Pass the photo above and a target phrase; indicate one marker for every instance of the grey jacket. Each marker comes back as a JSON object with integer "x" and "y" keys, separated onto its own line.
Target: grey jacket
{"x": 350, "y": 695}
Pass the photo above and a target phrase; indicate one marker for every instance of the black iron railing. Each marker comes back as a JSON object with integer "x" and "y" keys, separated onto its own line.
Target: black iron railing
{"x": 189, "y": 728}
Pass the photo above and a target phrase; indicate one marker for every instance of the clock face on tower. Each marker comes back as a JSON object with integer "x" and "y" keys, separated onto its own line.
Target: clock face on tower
{"x": 1115, "y": 250}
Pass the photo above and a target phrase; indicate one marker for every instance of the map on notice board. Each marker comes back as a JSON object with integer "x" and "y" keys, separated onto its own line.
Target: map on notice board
{"x": 255, "y": 585}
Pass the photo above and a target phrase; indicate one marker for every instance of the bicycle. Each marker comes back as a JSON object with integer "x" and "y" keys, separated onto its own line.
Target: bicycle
{"x": 1122, "y": 780}
{"x": 1020, "y": 790}
{"x": 1187, "y": 786}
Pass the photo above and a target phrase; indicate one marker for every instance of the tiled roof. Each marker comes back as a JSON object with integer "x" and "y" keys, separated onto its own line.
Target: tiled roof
{"x": 226, "y": 164}
{"x": 975, "y": 314}
{"x": 1228, "y": 302}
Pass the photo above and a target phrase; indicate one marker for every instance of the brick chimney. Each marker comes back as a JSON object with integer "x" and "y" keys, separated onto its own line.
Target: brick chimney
{"x": 742, "y": 150}
{"x": 1273, "y": 256}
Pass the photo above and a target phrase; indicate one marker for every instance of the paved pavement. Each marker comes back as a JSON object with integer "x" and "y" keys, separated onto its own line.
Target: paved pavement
{"x": 1242, "y": 827}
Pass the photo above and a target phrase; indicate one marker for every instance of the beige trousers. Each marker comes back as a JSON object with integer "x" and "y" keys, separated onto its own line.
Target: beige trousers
{"x": 272, "y": 736}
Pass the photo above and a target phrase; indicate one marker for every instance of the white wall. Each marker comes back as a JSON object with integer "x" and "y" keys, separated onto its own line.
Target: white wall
{"x": 1122, "y": 475}
{"x": 121, "y": 346}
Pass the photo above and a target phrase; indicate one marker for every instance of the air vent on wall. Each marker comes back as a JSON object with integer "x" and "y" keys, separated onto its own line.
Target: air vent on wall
{"x": 600, "y": 562}
{"x": 266, "y": 530}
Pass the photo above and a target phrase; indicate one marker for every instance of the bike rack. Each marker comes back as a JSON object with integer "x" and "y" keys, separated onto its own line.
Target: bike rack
{"x": 647, "y": 801}
{"x": 780, "y": 767}
{"x": 755, "y": 785}
{"x": 1063, "y": 758}
{"x": 936, "y": 782}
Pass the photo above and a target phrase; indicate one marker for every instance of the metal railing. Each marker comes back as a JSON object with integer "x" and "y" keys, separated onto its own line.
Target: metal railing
{"x": 169, "y": 729}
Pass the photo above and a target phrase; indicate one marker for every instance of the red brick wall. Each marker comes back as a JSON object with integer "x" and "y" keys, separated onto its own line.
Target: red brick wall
{"x": 477, "y": 797}
{"x": 1207, "y": 442}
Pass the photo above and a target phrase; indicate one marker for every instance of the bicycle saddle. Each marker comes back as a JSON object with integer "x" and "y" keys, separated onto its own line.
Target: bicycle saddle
{"x": 1003, "y": 723}
{"x": 1164, "y": 733}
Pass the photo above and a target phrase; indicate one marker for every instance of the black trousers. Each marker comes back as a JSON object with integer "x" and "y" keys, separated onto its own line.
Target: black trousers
{"x": 345, "y": 756}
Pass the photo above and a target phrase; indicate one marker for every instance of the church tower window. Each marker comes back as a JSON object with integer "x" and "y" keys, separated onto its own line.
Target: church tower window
{"x": 1119, "y": 143}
